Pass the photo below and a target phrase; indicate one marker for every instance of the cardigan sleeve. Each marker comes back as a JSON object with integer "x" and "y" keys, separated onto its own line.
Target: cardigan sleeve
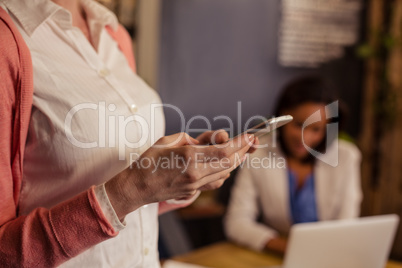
{"x": 44, "y": 237}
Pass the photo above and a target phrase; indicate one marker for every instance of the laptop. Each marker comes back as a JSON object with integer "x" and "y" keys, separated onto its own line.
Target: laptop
{"x": 356, "y": 243}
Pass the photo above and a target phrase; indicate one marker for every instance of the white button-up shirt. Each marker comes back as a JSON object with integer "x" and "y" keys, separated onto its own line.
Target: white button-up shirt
{"x": 91, "y": 117}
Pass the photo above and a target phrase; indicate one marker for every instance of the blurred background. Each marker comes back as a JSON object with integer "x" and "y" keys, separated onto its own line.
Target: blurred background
{"x": 232, "y": 57}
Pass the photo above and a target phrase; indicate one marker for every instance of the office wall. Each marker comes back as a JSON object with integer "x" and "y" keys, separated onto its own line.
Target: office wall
{"x": 217, "y": 53}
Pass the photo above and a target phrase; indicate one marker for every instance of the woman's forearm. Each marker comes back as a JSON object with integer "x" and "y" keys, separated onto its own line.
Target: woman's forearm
{"x": 49, "y": 237}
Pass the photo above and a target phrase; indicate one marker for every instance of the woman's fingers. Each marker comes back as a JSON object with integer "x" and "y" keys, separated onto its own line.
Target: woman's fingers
{"x": 197, "y": 162}
{"x": 177, "y": 165}
{"x": 220, "y": 151}
{"x": 254, "y": 146}
{"x": 217, "y": 183}
{"x": 175, "y": 140}
{"x": 213, "y": 137}
{"x": 212, "y": 177}
{"x": 211, "y": 166}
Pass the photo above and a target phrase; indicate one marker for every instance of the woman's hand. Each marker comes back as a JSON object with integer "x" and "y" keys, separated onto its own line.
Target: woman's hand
{"x": 174, "y": 167}
{"x": 277, "y": 245}
{"x": 219, "y": 137}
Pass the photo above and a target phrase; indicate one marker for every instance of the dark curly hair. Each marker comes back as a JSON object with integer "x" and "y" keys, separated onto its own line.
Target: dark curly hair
{"x": 305, "y": 89}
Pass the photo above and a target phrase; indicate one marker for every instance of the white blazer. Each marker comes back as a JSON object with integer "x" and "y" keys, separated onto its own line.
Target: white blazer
{"x": 263, "y": 190}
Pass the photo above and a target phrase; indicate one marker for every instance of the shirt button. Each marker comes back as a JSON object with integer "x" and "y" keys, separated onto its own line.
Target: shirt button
{"x": 133, "y": 108}
{"x": 103, "y": 72}
{"x": 146, "y": 251}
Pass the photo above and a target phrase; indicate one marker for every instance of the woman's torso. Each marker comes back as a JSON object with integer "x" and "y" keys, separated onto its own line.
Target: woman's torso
{"x": 88, "y": 106}
{"x": 330, "y": 185}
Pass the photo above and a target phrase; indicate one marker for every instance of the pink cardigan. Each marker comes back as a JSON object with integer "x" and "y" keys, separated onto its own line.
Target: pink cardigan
{"x": 44, "y": 237}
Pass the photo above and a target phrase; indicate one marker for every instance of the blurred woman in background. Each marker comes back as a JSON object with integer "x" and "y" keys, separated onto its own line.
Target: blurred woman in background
{"x": 304, "y": 188}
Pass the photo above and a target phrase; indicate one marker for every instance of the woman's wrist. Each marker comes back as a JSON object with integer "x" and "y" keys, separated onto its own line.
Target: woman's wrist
{"x": 123, "y": 195}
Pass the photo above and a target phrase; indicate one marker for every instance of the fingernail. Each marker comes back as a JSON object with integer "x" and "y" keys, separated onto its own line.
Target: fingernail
{"x": 251, "y": 137}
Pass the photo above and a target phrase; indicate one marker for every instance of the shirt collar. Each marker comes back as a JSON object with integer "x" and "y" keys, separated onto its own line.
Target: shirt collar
{"x": 99, "y": 14}
{"x": 32, "y": 13}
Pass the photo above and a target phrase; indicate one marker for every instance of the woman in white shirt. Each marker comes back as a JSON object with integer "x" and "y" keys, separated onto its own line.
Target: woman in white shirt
{"x": 89, "y": 148}
{"x": 288, "y": 184}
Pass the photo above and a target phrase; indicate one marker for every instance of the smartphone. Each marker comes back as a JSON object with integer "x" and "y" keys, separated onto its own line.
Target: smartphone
{"x": 267, "y": 126}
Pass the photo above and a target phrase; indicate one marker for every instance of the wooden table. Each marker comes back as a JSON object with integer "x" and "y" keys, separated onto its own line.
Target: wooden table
{"x": 228, "y": 255}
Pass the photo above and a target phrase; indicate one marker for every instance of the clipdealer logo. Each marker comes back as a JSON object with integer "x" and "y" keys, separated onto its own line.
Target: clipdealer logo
{"x": 118, "y": 123}
{"x": 330, "y": 157}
